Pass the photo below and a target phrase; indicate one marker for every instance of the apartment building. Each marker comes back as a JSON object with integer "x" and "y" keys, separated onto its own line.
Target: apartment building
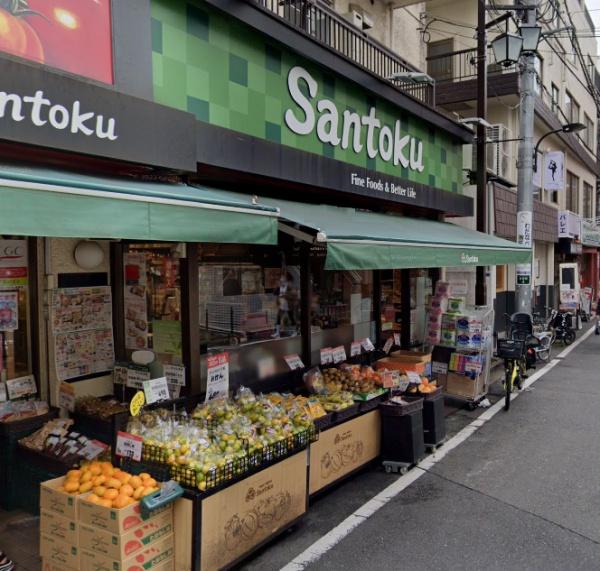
{"x": 562, "y": 96}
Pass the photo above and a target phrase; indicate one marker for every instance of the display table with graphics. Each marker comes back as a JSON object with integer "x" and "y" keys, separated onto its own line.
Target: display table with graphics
{"x": 343, "y": 449}
{"x": 215, "y": 531}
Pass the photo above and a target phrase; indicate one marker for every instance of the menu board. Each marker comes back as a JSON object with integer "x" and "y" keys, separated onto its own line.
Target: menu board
{"x": 136, "y": 303}
{"x": 83, "y": 336}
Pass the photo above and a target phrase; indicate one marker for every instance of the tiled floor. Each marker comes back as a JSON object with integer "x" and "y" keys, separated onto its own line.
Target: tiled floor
{"x": 19, "y": 539}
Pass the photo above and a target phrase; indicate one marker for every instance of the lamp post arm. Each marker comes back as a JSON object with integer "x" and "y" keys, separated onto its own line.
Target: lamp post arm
{"x": 537, "y": 146}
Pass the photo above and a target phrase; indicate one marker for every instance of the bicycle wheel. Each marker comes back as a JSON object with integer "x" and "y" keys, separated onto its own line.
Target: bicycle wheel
{"x": 569, "y": 337}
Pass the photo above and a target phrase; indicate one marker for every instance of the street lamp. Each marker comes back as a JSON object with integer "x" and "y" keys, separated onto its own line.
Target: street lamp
{"x": 531, "y": 37}
{"x": 507, "y": 49}
{"x": 566, "y": 128}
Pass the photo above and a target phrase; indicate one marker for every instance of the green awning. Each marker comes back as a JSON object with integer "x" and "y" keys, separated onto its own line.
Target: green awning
{"x": 358, "y": 240}
{"x": 43, "y": 202}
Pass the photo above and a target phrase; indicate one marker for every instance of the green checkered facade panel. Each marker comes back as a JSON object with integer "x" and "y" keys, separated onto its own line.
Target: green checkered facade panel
{"x": 234, "y": 77}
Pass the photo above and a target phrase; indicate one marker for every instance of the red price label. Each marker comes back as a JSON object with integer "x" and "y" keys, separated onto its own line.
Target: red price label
{"x": 129, "y": 446}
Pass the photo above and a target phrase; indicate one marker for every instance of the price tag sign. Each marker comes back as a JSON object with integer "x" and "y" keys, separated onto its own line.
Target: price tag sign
{"x": 156, "y": 390}
{"x": 175, "y": 374}
{"x": 294, "y": 362}
{"x": 439, "y": 368}
{"x": 21, "y": 387}
{"x": 355, "y": 349}
{"x": 397, "y": 339}
{"x": 129, "y": 446}
{"x": 93, "y": 449}
{"x": 120, "y": 375}
{"x": 367, "y": 345}
{"x": 326, "y": 356}
{"x": 136, "y": 377}
{"x": 413, "y": 378}
{"x": 389, "y": 381}
{"x": 339, "y": 354}
{"x": 66, "y": 397}
{"x": 403, "y": 383}
{"x": 388, "y": 345}
{"x": 137, "y": 402}
{"x": 217, "y": 382}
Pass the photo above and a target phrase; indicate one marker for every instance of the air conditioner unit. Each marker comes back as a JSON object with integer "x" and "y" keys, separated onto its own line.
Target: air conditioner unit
{"x": 498, "y": 151}
{"x": 359, "y": 17}
{"x": 355, "y": 18}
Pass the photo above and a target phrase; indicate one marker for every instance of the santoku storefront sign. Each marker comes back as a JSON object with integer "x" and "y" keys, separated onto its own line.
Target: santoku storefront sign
{"x": 43, "y": 108}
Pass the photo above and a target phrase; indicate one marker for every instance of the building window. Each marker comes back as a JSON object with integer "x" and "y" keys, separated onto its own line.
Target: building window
{"x": 555, "y": 98}
{"x": 572, "y": 192}
{"x": 539, "y": 77}
{"x": 588, "y": 134}
{"x": 571, "y": 108}
{"x": 588, "y": 200}
{"x": 440, "y": 59}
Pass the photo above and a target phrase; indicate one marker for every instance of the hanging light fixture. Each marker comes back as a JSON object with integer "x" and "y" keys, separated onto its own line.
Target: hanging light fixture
{"x": 507, "y": 48}
{"x": 531, "y": 37}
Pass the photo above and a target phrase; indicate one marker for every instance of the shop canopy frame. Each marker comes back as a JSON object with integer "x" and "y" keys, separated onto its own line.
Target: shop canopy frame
{"x": 52, "y": 203}
{"x": 360, "y": 240}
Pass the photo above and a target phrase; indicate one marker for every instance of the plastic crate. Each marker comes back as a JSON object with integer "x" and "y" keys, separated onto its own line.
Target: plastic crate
{"x": 10, "y": 434}
{"x": 510, "y": 349}
{"x": 324, "y": 422}
{"x": 347, "y": 413}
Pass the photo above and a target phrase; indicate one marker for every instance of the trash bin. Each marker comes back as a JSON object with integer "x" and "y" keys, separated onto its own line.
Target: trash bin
{"x": 434, "y": 419}
{"x": 402, "y": 443}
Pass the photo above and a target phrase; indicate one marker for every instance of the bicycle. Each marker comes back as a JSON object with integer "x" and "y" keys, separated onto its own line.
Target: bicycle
{"x": 512, "y": 351}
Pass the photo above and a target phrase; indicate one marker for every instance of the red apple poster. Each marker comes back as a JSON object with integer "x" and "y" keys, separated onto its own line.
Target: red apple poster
{"x": 71, "y": 35}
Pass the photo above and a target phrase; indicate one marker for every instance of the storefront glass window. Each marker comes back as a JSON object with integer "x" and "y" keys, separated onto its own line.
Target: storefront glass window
{"x": 341, "y": 305}
{"x": 248, "y": 294}
{"x": 153, "y": 300}
{"x": 15, "y": 356}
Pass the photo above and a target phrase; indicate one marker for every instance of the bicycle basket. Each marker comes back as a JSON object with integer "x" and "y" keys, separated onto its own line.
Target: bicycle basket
{"x": 510, "y": 349}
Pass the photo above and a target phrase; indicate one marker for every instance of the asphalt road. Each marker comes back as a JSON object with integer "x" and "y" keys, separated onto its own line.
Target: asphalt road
{"x": 521, "y": 493}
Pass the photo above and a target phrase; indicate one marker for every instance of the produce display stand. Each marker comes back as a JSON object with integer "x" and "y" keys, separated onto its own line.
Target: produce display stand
{"x": 343, "y": 449}
{"x": 217, "y": 530}
{"x": 10, "y": 434}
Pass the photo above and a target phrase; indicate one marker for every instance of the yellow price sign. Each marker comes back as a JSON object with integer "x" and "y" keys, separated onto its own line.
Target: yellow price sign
{"x": 137, "y": 402}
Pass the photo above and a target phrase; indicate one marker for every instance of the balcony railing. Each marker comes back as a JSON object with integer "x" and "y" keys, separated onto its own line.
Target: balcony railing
{"x": 328, "y": 28}
{"x": 461, "y": 66}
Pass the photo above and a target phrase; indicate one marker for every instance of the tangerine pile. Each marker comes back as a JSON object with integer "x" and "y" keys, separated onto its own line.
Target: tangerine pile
{"x": 109, "y": 486}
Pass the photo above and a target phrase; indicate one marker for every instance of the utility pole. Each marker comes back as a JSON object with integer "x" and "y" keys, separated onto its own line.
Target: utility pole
{"x": 481, "y": 167}
{"x": 525, "y": 164}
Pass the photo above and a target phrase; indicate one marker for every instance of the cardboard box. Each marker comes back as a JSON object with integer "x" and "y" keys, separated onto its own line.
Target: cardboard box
{"x": 59, "y": 552}
{"x": 59, "y": 527}
{"x": 114, "y": 520}
{"x": 156, "y": 556}
{"x": 127, "y": 544}
{"x": 463, "y": 386}
{"x": 49, "y": 566}
{"x": 58, "y": 502}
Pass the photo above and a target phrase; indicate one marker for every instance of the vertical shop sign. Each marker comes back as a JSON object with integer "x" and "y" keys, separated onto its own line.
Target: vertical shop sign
{"x": 135, "y": 301}
{"x": 13, "y": 263}
{"x": 217, "y": 383}
{"x": 524, "y": 228}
